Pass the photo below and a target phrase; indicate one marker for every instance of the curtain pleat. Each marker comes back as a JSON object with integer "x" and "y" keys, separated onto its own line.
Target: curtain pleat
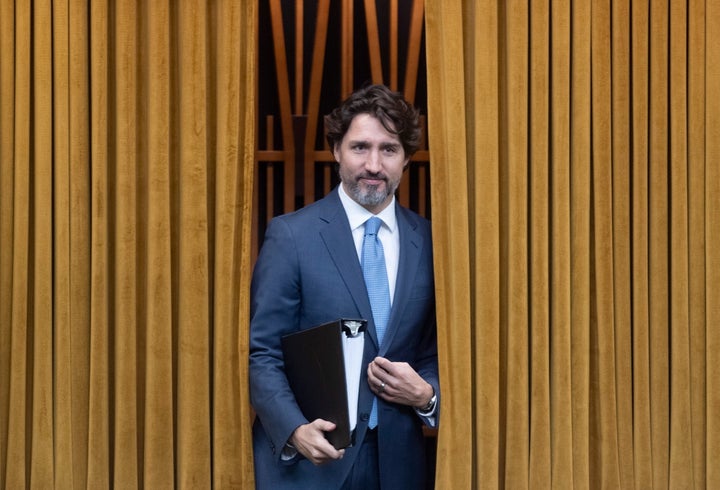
{"x": 696, "y": 232}
{"x": 514, "y": 263}
{"x": 561, "y": 400}
{"x": 455, "y": 286}
{"x": 127, "y": 275}
{"x": 483, "y": 139}
{"x": 235, "y": 127}
{"x": 98, "y": 456}
{"x": 71, "y": 233}
{"x": 193, "y": 265}
{"x": 658, "y": 248}
{"x": 7, "y": 200}
{"x": 580, "y": 263}
{"x": 539, "y": 243}
{"x": 712, "y": 244}
{"x": 20, "y": 306}
{"x": 604, "y": 468}
{"x": 642, "y": 429}
{"x": 127, "y": 138}
{"x": 589, "y": 139}
{"x": 681, "y": 451}
{"x": 40, "y": 247}
{"x": 159, "y": 419}
{"x": 621, "y": 287}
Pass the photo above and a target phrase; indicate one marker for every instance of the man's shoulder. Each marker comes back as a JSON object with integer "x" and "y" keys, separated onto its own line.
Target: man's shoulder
{"x": 411, "y": 217}
{"x": 324, "y": 208}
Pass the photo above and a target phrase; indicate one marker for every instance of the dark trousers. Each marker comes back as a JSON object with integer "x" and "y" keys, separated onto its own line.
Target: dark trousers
{"x": 365, "y": 473}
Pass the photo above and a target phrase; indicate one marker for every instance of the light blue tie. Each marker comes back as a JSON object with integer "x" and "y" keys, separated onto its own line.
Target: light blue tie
{"x": 376, "y": 280}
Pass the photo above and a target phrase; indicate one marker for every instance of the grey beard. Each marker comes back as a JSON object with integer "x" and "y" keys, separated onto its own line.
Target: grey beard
{"x": 373, "y": 196}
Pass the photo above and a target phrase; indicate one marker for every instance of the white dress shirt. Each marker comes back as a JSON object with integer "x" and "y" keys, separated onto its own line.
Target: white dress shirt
{"x": 388, "y": 233}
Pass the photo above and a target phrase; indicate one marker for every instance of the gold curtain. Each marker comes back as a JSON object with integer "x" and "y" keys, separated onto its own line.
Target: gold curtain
{"x": 575, "y": 152}
{"x": 127, "y": 148}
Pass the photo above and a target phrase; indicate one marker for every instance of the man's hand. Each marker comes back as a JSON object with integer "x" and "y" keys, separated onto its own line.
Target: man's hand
{"x": 309, "y": 440}
{"x": 397, "y": 382}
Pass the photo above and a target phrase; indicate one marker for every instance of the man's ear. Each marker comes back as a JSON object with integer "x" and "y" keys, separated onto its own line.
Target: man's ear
{"x": 336, "y": 153}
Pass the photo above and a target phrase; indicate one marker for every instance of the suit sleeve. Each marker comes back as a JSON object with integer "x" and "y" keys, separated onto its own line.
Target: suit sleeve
{"x": 274, "y": 312}
{"x": 426, "y": 360}
{"x": 427, "y": 367}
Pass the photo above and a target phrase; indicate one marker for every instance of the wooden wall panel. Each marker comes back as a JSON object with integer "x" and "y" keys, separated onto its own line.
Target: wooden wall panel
{"x": 312, "y": 54}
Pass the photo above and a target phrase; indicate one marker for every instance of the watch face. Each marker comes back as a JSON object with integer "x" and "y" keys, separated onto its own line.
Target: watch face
{"x": 430, "y": 404}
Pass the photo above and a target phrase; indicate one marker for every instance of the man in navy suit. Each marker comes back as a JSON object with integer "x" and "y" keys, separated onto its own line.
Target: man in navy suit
{"x": 308, "y": 272}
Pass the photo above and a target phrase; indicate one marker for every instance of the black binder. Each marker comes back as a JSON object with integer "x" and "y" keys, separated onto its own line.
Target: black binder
{"x": 315, "y": 368}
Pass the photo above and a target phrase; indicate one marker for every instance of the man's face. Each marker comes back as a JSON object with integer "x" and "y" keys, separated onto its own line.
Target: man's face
{"x": 371, "y": 162}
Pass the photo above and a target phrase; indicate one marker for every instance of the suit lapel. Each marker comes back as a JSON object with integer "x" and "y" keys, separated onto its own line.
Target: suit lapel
{"x": 340, "y": 245}
{"x": 411, "y": 243}
{"x": 338, "y": 239}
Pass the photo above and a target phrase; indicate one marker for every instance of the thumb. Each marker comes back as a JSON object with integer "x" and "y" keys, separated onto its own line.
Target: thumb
{"x": 324, "y": 425}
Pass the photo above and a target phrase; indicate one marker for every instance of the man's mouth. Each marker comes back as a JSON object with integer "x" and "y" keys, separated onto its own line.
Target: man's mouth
{"x": 372, "y": 180}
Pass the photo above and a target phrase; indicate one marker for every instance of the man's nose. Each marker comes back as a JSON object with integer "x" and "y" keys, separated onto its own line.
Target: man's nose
{"x": 374, "y": 161}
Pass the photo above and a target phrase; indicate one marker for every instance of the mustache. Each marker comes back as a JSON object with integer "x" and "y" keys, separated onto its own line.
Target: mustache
{"x": 375, "y": 176}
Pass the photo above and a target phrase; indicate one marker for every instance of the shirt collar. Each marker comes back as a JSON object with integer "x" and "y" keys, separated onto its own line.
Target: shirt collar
{"x": 358, "y": 215}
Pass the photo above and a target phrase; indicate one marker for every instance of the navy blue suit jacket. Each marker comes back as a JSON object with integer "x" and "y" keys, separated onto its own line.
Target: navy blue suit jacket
{"x": 308, "y": 273}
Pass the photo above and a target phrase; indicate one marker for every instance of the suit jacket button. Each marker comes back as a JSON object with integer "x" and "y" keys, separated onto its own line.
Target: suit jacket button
{"x": 365, "y": 417}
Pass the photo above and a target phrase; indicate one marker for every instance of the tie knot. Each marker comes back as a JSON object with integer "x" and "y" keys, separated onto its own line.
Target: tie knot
{"x": 372, "y": 225}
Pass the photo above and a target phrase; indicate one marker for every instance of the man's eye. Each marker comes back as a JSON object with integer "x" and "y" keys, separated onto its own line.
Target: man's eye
{"x": 358, "y": 147}
{"x": 391, "y": 149}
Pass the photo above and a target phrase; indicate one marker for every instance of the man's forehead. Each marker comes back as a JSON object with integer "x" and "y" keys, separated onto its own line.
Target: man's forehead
{"x": 367, "y": 128}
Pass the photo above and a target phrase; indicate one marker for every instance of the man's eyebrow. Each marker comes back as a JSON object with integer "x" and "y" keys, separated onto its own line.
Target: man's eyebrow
{"x": 384, "y": 144}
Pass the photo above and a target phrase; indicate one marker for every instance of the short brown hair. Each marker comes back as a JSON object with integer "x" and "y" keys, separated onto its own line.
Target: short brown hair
{"x": 396, "y": 114}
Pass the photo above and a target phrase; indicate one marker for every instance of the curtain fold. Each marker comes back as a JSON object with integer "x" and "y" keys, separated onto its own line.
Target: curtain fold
{"x": 711, "y": 253}
{"x": 574, "y": 149}
{"x": 7, "y": 198}
{"x": 452, "y": 282}
{"x": 127, "y": 144}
